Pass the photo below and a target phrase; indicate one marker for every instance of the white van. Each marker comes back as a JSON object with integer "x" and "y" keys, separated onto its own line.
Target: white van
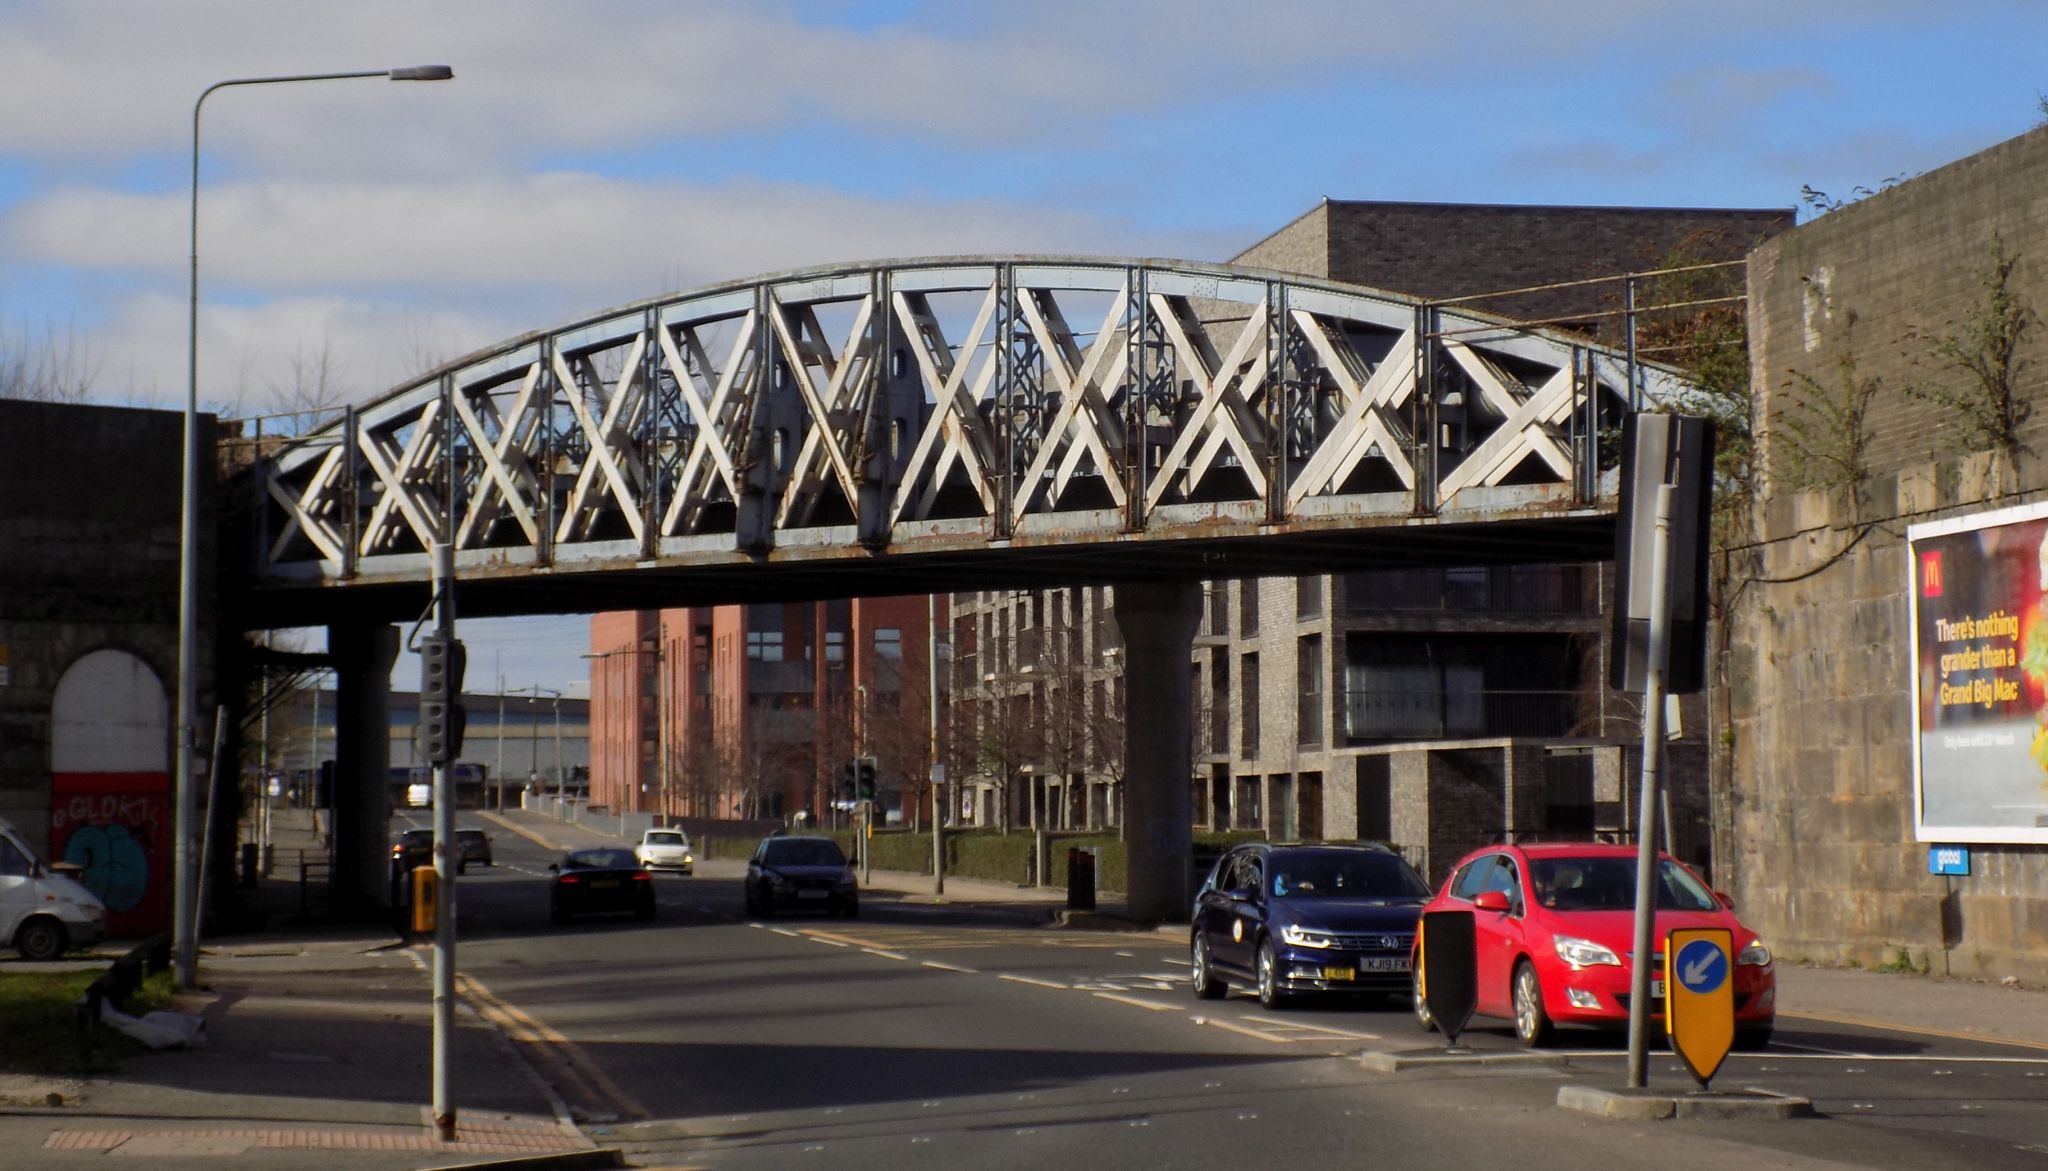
{"x": 43, "y": 914}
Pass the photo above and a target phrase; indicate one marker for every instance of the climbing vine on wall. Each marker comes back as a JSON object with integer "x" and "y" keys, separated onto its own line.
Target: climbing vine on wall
{"x": 1987, "y": 407}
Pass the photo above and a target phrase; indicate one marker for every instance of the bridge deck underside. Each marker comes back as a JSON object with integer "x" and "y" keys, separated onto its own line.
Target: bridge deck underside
{"x": 629, "y": 585}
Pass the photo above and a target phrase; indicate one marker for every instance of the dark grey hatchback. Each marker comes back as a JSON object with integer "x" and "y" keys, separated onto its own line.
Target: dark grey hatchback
{"x": 1291, "y": 919}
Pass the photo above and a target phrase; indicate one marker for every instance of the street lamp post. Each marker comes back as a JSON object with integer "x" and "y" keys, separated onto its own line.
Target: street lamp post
{"x": 185, "y": 910}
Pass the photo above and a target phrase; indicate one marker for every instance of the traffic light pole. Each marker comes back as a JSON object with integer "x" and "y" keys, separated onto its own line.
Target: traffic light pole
{"x": 1643, "y": 963}
{"x": 445, "y": 858}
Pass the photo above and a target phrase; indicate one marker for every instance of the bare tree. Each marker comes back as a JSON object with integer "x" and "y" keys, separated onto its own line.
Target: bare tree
{"x": 57, "y": 367}
{"x": 315, "y": 387}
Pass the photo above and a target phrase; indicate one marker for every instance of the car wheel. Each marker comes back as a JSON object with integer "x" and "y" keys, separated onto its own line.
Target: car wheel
{"x": 851, "y": 909}
{"x": 644, "y": 910}
{"x": 1208, "y": 985}
{"x": 1532, "y": 1024}
{"x": 41, "y": 939}
{"x": 1751, "y": 1039}
{"x": 1420, "y": 1004}
{"x": 1269, "y": 977}
{"x": 558, "y": 915}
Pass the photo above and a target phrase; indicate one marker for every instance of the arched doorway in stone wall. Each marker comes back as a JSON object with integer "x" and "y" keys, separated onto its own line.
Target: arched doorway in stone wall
{"x": 110, "y": 787}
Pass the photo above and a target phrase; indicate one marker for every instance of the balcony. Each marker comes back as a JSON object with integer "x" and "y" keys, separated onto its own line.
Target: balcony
{"x": 1436, "y": 715}
{"x": 1499, "y": 589}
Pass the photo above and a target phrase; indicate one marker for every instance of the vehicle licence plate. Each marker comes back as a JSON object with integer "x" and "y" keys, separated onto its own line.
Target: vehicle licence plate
{"x": 1386, "y": 964}
{"x": 1340, "y": 973}
{"x": 813, "y": 894}
{"x": 604, "y": 884}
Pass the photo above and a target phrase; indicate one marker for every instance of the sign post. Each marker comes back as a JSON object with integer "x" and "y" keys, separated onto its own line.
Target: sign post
{"x": 1699, "y": 997}
{"x": 1446, "y": 966}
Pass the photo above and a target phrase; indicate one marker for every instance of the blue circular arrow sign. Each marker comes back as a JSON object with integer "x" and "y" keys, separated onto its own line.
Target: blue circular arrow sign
{"x": 1701, "y": 966}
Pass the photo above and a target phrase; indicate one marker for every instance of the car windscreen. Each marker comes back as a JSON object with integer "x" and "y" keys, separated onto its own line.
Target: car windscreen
{"x": 1609, "y": 884}
{"x": 803, "y": 852}
{"x": 470, "y": 835}
{"x": 664, "y": 839}
{"x": 1329, "y": 874}
{"x": 601, "y": 860}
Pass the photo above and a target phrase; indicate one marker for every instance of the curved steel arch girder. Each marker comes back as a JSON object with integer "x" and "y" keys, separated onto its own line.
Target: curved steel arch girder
{"x": 947, "y": 404}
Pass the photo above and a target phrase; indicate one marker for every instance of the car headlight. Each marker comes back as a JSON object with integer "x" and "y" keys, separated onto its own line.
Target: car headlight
{"x": 1306, "y": 937}
{"x": 1583, "y": 953}
{"x": 687, "y": 859}
{"x": 1756, "y": 955}
{"x": 846, "y": 878}
{"x": 778, "y": 882}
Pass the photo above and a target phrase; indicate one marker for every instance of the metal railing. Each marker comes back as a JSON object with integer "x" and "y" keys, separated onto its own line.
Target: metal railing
{"x": 1437, "y": 715}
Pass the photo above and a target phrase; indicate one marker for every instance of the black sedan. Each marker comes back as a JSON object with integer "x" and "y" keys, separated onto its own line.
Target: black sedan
{"x": 591, "y": 881}
{"x": 414, "y": 848}
{"x": 800, "y": 874}
{"x": 1291, "y": 919}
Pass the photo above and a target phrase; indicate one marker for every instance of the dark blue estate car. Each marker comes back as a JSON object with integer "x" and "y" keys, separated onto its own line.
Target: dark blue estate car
{"x": 790, "y": 873}
{"x": 1289, "y": 919}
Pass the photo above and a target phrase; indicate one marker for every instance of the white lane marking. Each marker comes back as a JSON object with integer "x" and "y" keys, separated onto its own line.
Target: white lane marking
{"x": 827, "y": 942}
{"x": 1134, "y": 1002}
{"x": 1947, "y": 1059}
{"x": 1179, "y": 963}
{"x": 952, "y": 968}
{"x": 1015, "y": 979}
{"x": 1780, "y": 1045}
{"x": 785, "y": 931}
{"x": 887, "y": 955}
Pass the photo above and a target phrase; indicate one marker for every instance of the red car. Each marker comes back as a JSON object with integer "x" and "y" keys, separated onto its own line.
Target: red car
{"x": 1554, "y": 931}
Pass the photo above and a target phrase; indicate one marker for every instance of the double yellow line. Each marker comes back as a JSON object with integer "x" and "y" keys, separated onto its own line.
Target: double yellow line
{"x": 583, "y": 1082}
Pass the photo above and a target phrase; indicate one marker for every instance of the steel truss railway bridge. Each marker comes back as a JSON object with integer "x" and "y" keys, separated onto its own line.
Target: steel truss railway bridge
{"x": 947, "y": 424}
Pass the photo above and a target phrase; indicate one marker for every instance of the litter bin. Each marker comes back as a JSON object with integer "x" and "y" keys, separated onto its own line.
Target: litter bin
{"x": 1080, "y": 879}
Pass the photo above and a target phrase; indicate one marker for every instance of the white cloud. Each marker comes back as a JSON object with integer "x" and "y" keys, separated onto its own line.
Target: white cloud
{"x": 390, "y": 279}
{"x": 536, "y": 77}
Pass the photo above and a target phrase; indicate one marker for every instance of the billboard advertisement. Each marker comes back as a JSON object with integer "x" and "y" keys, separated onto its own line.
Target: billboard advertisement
{"x": 1980, "y": 678}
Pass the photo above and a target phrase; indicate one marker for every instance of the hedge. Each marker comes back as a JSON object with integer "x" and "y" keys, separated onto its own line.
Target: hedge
{"x": 991, "y": 856}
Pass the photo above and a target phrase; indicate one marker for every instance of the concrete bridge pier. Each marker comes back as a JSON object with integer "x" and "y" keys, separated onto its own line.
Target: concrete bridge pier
{"x": 1158, "y": 621}
{"x": 362, "y": 655}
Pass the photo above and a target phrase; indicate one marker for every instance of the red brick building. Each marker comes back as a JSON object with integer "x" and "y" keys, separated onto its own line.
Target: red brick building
{"x": 756, "y": 711}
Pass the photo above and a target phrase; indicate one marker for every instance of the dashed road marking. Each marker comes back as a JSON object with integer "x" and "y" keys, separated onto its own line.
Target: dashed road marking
{"x": 1134, "y": 1002}
{"x": 934, "y": 964}
{"x": 1033, "y": 981}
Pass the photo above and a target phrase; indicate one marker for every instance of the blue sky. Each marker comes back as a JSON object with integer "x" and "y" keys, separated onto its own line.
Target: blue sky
{"x": 595, "y": 153}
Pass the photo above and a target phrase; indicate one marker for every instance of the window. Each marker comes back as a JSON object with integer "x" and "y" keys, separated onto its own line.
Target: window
{"x": 1309, "y": 689}
{"x": 1247, "y": 608}
{"x": 1247, "y": 811}
{"x": 1375, "y": 798}
{"x": 835, "y": 648}
{"x": 13, "y": 863}
{"x": 1248, "y": 707}
{"x": 764, "y": 646}
{"x": 888, "y": 644}
{"x": 1308, "y": 597}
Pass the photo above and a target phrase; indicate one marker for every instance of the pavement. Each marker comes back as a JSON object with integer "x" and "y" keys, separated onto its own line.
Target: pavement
{"x": 317, "y": 1049}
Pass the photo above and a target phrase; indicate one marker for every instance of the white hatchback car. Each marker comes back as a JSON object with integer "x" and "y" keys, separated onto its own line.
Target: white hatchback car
{"x": 666, "y": 849}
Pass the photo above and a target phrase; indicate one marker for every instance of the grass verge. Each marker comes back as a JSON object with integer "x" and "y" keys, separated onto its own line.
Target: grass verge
{"x": 39, "y": 1023}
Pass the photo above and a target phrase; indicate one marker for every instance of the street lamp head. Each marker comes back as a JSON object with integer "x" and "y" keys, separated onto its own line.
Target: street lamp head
{"x": 422, "y": 73}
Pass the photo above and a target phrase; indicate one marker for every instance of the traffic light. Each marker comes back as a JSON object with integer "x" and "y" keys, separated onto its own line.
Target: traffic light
{"x": 442, "y": 717}
{"x": 864, "y": 778}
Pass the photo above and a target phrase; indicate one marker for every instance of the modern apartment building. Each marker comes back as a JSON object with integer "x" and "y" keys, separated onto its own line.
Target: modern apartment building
{"x": 1430, "y": 706}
